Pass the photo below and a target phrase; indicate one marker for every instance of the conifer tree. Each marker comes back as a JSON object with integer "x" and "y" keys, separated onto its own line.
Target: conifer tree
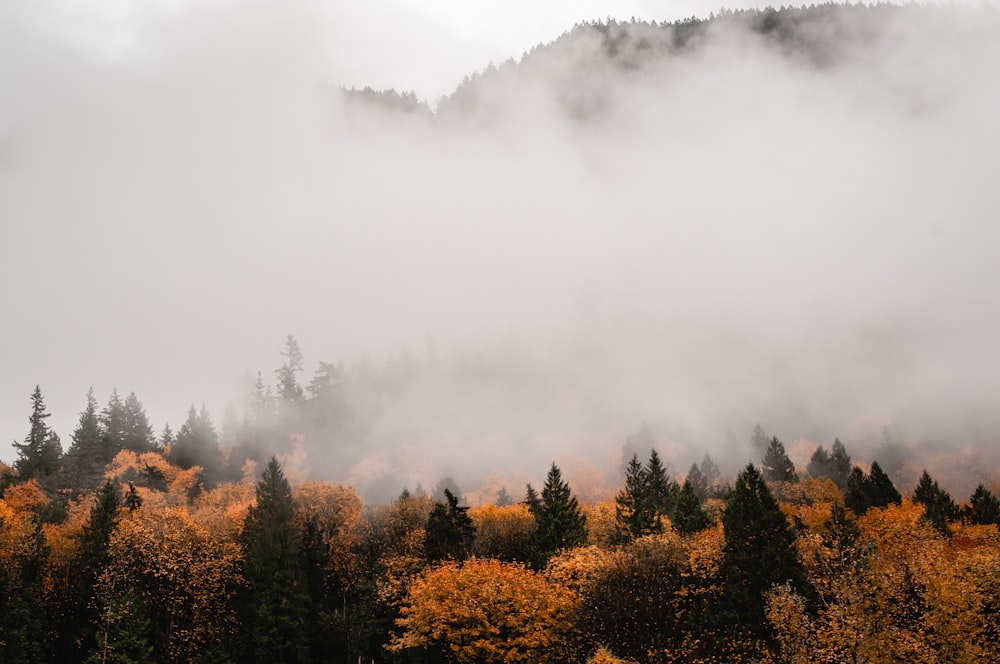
{"x": 688, "y": 515}
{"x": 661, "y": 486}
{"x": 759, "y": 551}
{"x": 559, "y": 523}
{"x": 138, "y": 434}
{"x": 22, "y": 614}
{"x": 636, "y": 511}
{"x": 40, "y": 454}
{"x": 777, "y": 467}
{"x": 939, "y": 508}
{"x": 856, "y": 492}
{"x": 758, "y": 441}
{"x": 699, "y": 483}
{"x": 85, "y": 458}
{"x": 450, "y": 531}
{"x": 289, "y": 389}
{"x": 840, "y": 464}
{"x": 710, "y": 470}
{"x": 881, "y": 490}
{"x": 197, "y": 444}
{"x": 983, "y": 507}
{"x": 113, "y": 428}
{"x": 819, "y": 463}
{"x": 276, "y": 601}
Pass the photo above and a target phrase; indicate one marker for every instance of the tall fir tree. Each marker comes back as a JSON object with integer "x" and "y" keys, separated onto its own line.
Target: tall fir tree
{"x": 138, "y": 434}
{"x": 636, "y": 510}
{"x": 777, "y": 467}
{"x": 699, "y": 483}
{"x": 819, "y": 463}
{"x": 559, "y": 522}
{"x": 758, "y": 442}
{"x": 939, "y": 508}
{"x": 40, "y": 455}
{"x": 881, "y": 490}
{"x": 197, "y": 444}
{"x": 23, "y": 618}
{"x": 113, "y": 428}
{"x": 688, "y": 515}
{"x": 450, "y": 531}
{"x": 840, "y": 464}
{"x": 275, "y": 604}
{"x": 759, "y": 552}
{"x": 983, "y": 507}
{"x": 662, "y": 487}
{"x": 85, "y": 458}
{"x": 289, "y": 390}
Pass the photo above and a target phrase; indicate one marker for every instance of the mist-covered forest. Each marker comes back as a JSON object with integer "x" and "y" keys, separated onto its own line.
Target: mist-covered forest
{"x": 663, "y": 342}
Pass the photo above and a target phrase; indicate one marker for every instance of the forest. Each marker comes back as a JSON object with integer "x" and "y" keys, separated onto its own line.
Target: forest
{"x": 130, "y": 547}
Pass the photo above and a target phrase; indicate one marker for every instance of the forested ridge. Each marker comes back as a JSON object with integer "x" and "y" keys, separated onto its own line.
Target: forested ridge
{"x": 277, "y": 532}
{"x": 133, "y": 547}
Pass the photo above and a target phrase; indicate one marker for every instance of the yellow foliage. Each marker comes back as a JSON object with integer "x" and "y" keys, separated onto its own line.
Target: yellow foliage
{"x": 506, "y": 614}
{"x": 601, "y": 526}
{"x": 502, "y": 532}
{"x": 603, "y": 656}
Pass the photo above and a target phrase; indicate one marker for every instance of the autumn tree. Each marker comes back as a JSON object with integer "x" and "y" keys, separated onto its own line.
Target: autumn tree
{"x": 484, "y": 612}
{"x": 559, "y": 523}
{"x": 759, "y": 552}
{"x": 276, "y": 604}
{"x": 40, "y": 454}
{"x": 777, "y": 467}
{"x": 636, "y": 510}
{"x": 22, "y": 555}
{"x": 449, "y": 532}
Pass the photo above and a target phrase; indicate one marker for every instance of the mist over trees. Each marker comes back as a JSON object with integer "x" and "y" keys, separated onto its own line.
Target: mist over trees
{"x": 756, "y": 246}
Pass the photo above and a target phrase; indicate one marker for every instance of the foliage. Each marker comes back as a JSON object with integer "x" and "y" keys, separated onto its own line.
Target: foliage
{"x": 688, "y": 516}
{"x": 449, "y": 532}
{"x": 637, "y": 511}
{"x": 40, "y": 454}
{"x": 507, "y": 614}
{"x": 777, "y": 467}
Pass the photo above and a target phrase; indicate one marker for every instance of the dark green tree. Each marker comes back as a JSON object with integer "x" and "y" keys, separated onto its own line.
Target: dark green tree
{"x": 197, "y": 444}
{"x": 662, "y": 487}
{"x": 688, "y": 515}
{"x": 450, "y": 531}
{"x": 819, "y": 463}
{"x": 275, "y": 603}
{"x": 636, "y": 510}
{"x": 40, "y": 454}
{"x": 559, "y": 523}
{"x": 939, "y": 508}
{"x": 777, "y": 467}
{"x": 85, "y": 460}
{"x": 113, "y": 427}
{"x": 856, "y": 492}
{"x": 23, "y": 618}
{"x": 983, "y": 507}
{"x": 881, "y": 490}
{"x": 123, "y": 635}
{"x": 840, "y": 464}
{"x": 138, "y": 434}
{"x": 759, "y": 552}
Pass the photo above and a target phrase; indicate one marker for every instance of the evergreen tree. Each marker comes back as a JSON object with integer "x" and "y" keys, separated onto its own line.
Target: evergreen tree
{"x": 138, "y": 434}
{"x": 559, "y": 523}
{"x": 661, "y": 486}
{"x": 840, "y": 464}
{"x": 777, "y": 467}
{"x": 123, "y": 636}
{"x": 276, "y": 601}
{"x": 167, "y": 437}
{"x": 759, "y": 552}
{"x": 449, "y": 532}
{"x": 983, "y": 507}
{"x": 699, "y": 483}
{"x": 289, "y": 390}
{"x": 856, "y": 492}
{"x": 759, "y": 442}
{"x": 113, "y": 427}
{"x": 710, "y": 470}
{"x": 40, "y": 454}
{"x": 22, "y": 613}
{"x": 939, "y": 508}
{"x": 636, "y": 511}
{"x": 197, "y": 444}
{"x": 688, "y": 515}
{"x": 819, "y": 463}
{"x": 637, "y": 444}
{"x": 85, "y": 458}
{"x": 881, "y": 490}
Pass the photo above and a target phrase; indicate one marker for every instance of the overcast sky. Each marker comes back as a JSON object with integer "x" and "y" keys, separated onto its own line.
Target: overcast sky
{"x": 741, "y": 238}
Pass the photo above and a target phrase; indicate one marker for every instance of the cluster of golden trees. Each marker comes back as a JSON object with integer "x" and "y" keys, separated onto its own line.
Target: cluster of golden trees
{"x": 170, "y": 583}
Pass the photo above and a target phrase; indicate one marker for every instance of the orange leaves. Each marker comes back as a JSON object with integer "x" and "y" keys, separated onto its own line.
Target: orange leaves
{"x": 502, "y": 532}
{"x": 484, "y": 612}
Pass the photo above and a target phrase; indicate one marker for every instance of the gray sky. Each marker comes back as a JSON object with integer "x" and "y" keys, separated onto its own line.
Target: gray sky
{"x": 740, "y": 239}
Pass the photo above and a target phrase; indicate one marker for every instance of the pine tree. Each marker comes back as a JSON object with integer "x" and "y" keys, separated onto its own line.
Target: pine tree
{"x": 758, "y": 441}
{"x": 983, "y": 507}
{"x": 113, "y": 428}
{"x": 197, "y": 444}
{"x": 276, "y": 602}
{"x": 710, "y": 470}
{"x": 856, "y": 492}
{"x": 138, "y": 434}
{"x": 840, "y": 464}
{"x": 40, "y": 454}
{"x": 449, "y": 531}
{"x": 636, "y": 511}
{"x": 759, "y": 552}
{"x": 688, "y": 515}
{"x": 85, "y": 459}
{"x": 819, "y": 463}
{"x": 939, "y": 508}
{"x": 289, "y": 389}
{"x": 661, "y": 486}
{"x": 699, "y": 483}
{"x": 777, "y": 467}
{"x": 881, "y": 490}
{"x": 559, "y": 523}
{"x": 22, "y": 613}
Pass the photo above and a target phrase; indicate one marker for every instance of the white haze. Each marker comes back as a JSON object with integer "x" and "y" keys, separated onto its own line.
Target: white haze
{"x": 738, "y": 237}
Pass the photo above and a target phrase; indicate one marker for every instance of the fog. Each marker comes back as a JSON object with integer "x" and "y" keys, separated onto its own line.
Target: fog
{"x": 731, "y": 236}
